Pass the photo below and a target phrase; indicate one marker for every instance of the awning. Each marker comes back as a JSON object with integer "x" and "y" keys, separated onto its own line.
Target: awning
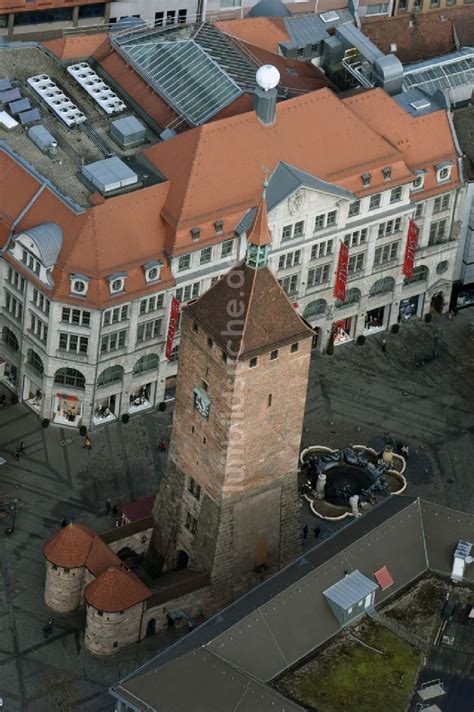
{"x": 65, "y": 396}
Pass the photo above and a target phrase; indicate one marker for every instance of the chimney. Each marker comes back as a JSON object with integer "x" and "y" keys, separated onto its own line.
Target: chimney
{"x": 264, "y": 100}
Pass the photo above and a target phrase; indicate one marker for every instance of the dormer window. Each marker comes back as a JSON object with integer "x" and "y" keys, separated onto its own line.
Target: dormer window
{"x": 419, "y": 182}
{"x": 219, "y": 225}
{"x": 117, "y": 282}
{"x": 79, "y": 285}
{"x": 195, "y": 233}
{"x": 366, "y": 178}
{"x": 443, "y": 171}
{"x": 152, "y": 271}
{"x": 387, "y": 173}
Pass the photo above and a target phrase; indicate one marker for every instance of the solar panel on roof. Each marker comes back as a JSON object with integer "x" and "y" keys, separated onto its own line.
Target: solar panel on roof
{"x": 190, "y": 81}
{"x": 9, "y": 95}
{"x": 5, "y": 84}
{"x": 21, "y": 105}
{"x": 27, "y": 117}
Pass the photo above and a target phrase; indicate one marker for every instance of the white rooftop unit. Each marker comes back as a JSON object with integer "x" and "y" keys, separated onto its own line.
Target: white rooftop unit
{"x": 56, "y": 99}
{"x": 96, "y": 88}
{"x": 109, "y": 174}
{"x": 462, "y": 558}
{"x": 7, "y": 121}
{"x": 128, "y": 131}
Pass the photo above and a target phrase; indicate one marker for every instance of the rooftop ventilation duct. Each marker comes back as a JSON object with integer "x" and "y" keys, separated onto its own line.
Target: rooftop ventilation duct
{"x": 265, "y": 96}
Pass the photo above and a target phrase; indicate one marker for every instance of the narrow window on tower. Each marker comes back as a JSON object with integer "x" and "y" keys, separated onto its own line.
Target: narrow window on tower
{"x": 274, "y": 355}
{"x": 253, "y": 362}
{"x": 269, "y": 401}
{"x": 195, "y": 326}
{"x": 224, "y": 356}
{"x": 294, "y": 348}
{"x": 210, "y": 342}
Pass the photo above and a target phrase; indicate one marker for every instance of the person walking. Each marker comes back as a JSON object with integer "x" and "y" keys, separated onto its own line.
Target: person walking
{"x": 48, "y": 629}
{"x": 305, "y": 531}
{"x": 22, "y": 448}
{"x": 317, "y": 532}
{"x": 63, "y": 522}
{"x": 87, "y": 444}
{"x": 17, "y": 454}
{"x": 384, "y": 346}
{"x": 108, "y": 506}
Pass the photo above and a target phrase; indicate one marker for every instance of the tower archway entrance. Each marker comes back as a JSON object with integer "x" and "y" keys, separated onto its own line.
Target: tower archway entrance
{"x": 182, "y": 560}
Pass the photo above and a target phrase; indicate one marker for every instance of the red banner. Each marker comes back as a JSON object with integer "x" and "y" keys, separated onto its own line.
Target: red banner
{"x": 341, "y": 274}
{"x": 412, "y": 237}
{"x": 174, "y": 313}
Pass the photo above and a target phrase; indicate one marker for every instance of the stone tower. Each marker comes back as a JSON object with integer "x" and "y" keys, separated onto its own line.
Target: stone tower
{"x": 228, "y": 503}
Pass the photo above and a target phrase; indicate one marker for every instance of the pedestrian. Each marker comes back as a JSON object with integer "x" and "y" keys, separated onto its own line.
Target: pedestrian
{"x": 384, "y": 346}
{"x": 63, "y": 522}
{"x": 87, "y": 443}
{"x": 17, "y": 454}
{"x": 305, "y": 531}
{"x": 22, "y": 448}
{"x": 162, "y": 445}
{"x": 317, "y": 532}
{"x": 114, "y": 510}
{"x": 405, "y": 452}
{"x": 108, "y": 505}
{"x": 118, "y": 523}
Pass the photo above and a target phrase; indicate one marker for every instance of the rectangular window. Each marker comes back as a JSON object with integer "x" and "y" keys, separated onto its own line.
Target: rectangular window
{"x": 321, "y": 249}
{"x": 151, "y": 304}
{"x": 16, "y": 280}
{"x": 331, "y": 218}
{"x": 318, "y": 275}
{"x": 387, "y": 253}
{"x": 113, "y": 341}
{"x": 294, "y": 348}
{"x": 170, "y": 17}
{"x": 75, "y": 316}
{"x": 441, "y": 203}
{"x": 319, "y": 222}
{"x": 227, "y": 248}
{"x": 402, "y": 5}
{"x": 205, "y": 256}
{"x": 115, "y": 315}
{"x": 356, "y": 263}
{"x": 358, "y": 237}
{"x": 287, "y": 233}
{"x": 253, "y": 362}
{"x": 298, "y": 229}
{"x": 289, "y": 284}
{"x": 149, "y": 330}
{"x": 191, "y": 523}
{"x": 396, "y": 194}
{"x": 184, "y": 262}
{"x": 375, "y": 200}
{"x": 354, "y": 208}
{"x": 418, "y": 211}
{"x": 380, "y": 9}
{"x": 274, "y": 355}
{"x": 73, "y": 343}
{"x": 41, "y": 301}
{"x": 159, "y": 19}
{"x": 38, "y": 328}
{"x": 191, "y": 291}
{"x": 13, "y": 306}
{"x": 389, "y": 227}
{"x": 438, "y": 232}
{"x": 194, "y": 488}
{"x": 182, "y": 16}
{"x": 289, "y": 260}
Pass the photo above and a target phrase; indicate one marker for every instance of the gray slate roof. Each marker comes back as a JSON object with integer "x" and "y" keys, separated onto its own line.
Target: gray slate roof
{"x": 311, "y": 29}
{"x": 350, "y": 590}
{"x": 269, "y": 8}
{"x": 48, "y": 238}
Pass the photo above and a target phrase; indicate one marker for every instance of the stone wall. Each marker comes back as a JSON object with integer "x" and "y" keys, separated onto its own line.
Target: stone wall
{"x": 106, "y": 633}
{"x": 138, "y": 542}
{"x": 63, "y": 588}
{"x": 193, "y": 604}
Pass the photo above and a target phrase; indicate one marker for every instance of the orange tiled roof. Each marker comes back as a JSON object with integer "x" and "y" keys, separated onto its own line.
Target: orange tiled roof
{"x": 75, "y": 47}
{"x": 116, "y": 589}
{"x": 70, "y": 546}
{"x": 259, "y": 233}
{"x": 262, "y": 32}
{"x": 100, "y": 557}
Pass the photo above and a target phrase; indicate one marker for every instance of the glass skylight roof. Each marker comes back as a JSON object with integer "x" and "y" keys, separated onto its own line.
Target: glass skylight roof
{"x": 455, "y": 71}
{"x": 184, "y": 75}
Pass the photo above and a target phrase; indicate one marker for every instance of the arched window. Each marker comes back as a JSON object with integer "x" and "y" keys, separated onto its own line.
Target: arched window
{"x": 113, "y": 374}
{"x": 146, "y": 363}
{"x": 352, "y": 297}
{"x": 442, "y": 267}
{"x": 315, "y": 308}
{"x": 420, "y": 274}
{"x": 9, "y": 338}
{"x": 35, "y": 361}
{"x": 382, "y": 286}
{"x": 70, "y": 377}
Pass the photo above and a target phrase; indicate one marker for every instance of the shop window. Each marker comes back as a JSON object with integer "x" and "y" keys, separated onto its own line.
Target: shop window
{"x": 382, "y": 286}
{"x": 315, "y": 308}
{"x": 9, "y": 338}
{"x": 352, "y": 297}
{"x": 70, "y": 377}
{"x": 149, "y": 362}
{"x": 35, "y": 361}
{"x": 113, "y": 374}
{"x": 420, "y": 274}
{"x": 442, "y": 267}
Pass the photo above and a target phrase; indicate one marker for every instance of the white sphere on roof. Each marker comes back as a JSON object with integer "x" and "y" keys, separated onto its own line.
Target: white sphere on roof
{"x": 268, "y": 77}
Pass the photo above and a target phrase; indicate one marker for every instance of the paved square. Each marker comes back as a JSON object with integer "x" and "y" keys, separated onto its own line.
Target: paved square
{"x": 354, "y": 397}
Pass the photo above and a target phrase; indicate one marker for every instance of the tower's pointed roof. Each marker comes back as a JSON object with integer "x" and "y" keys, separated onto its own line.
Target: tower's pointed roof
{"x": 115, "y": 589}
{"x": 247, "y": 312}
{"x": 70, "y": 546}
{"x": 260, "y": 234}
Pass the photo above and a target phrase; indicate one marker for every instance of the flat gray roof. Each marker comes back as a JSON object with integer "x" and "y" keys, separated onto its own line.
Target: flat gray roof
{"x": 350, "y": 590}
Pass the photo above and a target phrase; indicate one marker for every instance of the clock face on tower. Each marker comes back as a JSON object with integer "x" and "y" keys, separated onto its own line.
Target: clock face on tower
{"x": 202, "y": 403}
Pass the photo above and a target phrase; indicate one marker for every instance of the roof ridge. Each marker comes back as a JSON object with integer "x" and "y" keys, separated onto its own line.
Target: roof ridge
{"x": 247, "y": 313}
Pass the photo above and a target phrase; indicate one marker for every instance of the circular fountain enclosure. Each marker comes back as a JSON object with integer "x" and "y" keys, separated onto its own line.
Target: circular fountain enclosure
{"x": 352, "y": 479}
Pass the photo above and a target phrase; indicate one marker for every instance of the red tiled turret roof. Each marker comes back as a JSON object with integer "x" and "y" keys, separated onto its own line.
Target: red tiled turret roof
{"x": 115, "y": 590}
{"x": 259, "y": 233}
{"x": 70, "y": 546}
